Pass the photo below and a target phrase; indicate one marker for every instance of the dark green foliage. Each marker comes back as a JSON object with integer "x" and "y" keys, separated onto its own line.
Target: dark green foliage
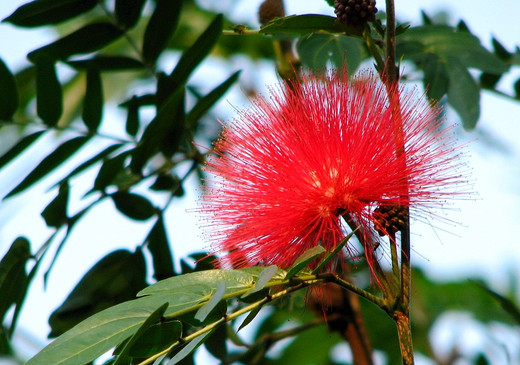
{"x": 445, "y": 54}
{"x": 110, "y": 169}
{"x": 13, "y": 277}
{"x": 19, "y": 147}
{"x": 216, "y": 343}
{"x": 107, "y": 63}
{"x": 49, "y": 163}
{"x": 115, "y": 278}
{"x": 305, "y": 24}
{"x": 164, "y": 125}
{"x": 129, "y": 11}
{"x": 160, "y": 28}
{"x": 206, "y": 102}
{"x": 133, "y": 205}
{"x": 49, "y": 104}
{"x": 44, "y": 12}
{"x": 121, "y": 163}
{"x": 192, "y": 57}
{"x": 124, "y": 356}
{"x": 93, "y": 103}
{"x": 55, "y": 214}
{"x": 156, "y": 338}
{"x": 132, "y": 119}
{"x": 87, "y": 39}
{"x": 159, "y": 247}
{"x": 92, "y": 161}
{"x": 316, "y": 50}
{"x": 8, "y": 93}
{"x": 508, "y": 304}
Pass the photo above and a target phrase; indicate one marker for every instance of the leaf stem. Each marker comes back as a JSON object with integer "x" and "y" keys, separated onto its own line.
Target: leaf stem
{"x": 372, "y": 47}
{"x": 381, "y": 303}
{"x": 395, "y": 263}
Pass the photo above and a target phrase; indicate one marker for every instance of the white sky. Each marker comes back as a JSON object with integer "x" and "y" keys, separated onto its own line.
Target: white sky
{"x": 487, "y": 245}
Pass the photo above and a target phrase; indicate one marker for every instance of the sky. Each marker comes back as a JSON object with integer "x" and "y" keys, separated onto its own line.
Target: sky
{"x": 485, "y": 244}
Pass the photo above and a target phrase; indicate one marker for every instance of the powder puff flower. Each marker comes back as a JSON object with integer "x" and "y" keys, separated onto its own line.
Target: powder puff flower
{"x": 292, "y": 170}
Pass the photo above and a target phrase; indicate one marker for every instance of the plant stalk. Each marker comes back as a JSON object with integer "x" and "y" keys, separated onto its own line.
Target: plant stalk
{"x": 391, "y": 77}
{"x": 405, "y": 337}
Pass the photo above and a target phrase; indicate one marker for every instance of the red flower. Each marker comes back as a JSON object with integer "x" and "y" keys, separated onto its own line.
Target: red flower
{"x": 288, "y": 170}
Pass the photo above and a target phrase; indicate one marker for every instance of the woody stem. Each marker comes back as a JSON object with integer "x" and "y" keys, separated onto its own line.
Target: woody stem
{"x": 402, "y": 310}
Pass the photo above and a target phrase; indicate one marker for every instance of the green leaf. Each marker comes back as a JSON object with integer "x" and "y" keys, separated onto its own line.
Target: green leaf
{"x": 124, "y": 356}
{"x": 463, "y": 94}
{"x": 516, "y": 86}
{"x": 49, "y": 163}
{"x": 93, "y": 103}
{"x": 432, "y": 299}
{"x": 91, "y": 161}
{"x": 160, "y": 28}
{"x": 128, "y": 12}
{"x": 316, "y": 50}
{"x": 13, "y": 277}
{"x": 334, "y": 252}
{"x": 44, "y": 12}
{"x": 382, "y": 334}
{"x": 157, "y": 338}
{"x": 449, "y": 44}
{"x": 108, "y": 63}
{"x": 501, "y": 51}
{"x": 175, "y": 132}
{"x": 310, "y": 347}
{"x": 192, "y": 57}
{"x": 206, "y": 102}
{"x": 109, "y": 170}
{"x": 167, "y": 182}
{"x": 104, "y": 330}
{"x": 425, "y": 18}
{"x": 160, "y": 249}
{"x": 55, "y": 214}
{"x": 160, "y": 127}
{"x": 6, "y": 349}
{"x": 141, "y": 100}
{"x": 265, "y": 276}
{"x": 489, "y": 81}
{"x": 249, "y": 317}
{"x": 133, "y": 205}
{"x": 215, "y": 299}
{"x": 132, "y": 119}
{"x": 436, "y": 78}
{"x": 115, "y": 278}
{"x": 216, "y": 343}
{"x": 302, "y": 261}
{"x": 305, "y": 24}
{"x": 8, "y": 93}
{"x": 188, "y": 349}
{"x": 49, "y": 98}
{"x": 97, "y": 334}
{"x": 203, "y": 283}
{"x": 19, "y": 147}
{"x": 507, "y": 304}
{"x": 87, "y": 39}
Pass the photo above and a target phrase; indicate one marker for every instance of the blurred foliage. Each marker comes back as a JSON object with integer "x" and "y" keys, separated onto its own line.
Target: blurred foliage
{"x": 120, "y": 52}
